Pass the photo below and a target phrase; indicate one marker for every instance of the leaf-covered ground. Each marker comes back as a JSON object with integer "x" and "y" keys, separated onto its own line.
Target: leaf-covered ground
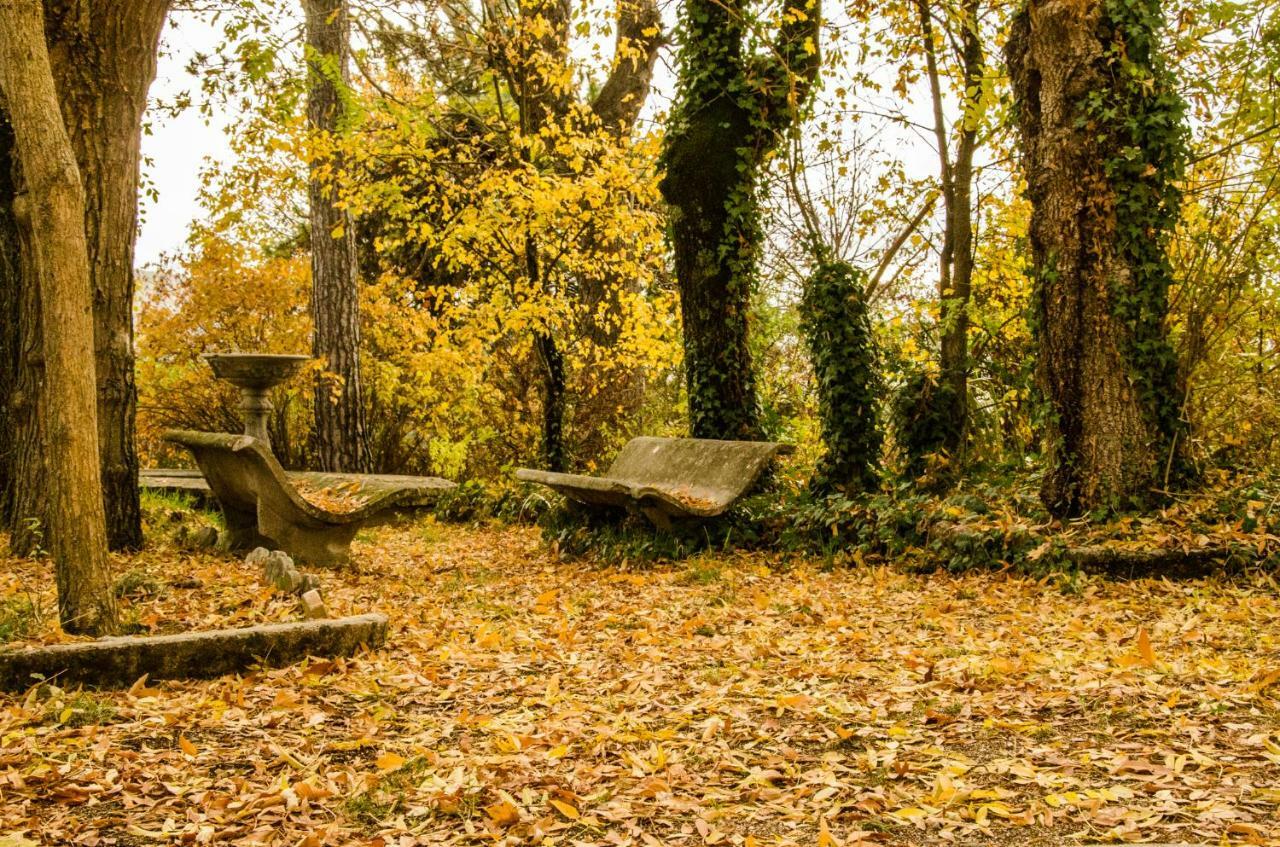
{"x": 724, "y": 700}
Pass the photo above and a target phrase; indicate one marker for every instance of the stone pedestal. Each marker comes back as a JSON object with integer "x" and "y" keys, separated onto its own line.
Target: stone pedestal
{"x": 255, "y": 374}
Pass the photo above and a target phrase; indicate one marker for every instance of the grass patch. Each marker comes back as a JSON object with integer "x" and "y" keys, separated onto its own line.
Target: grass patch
{"x": 372, "y": 807}
{"x": 79, "y": 709}
{"x": 19, "y": 617}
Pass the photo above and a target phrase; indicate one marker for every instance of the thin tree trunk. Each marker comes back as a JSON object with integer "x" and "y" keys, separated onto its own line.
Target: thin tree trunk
{"x": 54, "y": 196}
{"x": 955, "y": 278}
{"x": 103, "y": 56}
{"x": 1106, "y": 447}
{"x": 341, "y": 441}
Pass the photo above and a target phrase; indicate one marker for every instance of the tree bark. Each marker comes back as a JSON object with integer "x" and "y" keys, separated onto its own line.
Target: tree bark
{"x": 54, "y": 193}
{"x": 28, "y": 497}
{"x": 103, "y": 56}
{"x": 10, "y": 309}
{"x": 729, "y": 116}
{"x": 1106, "y": 446}
{"x": 341, "y": 440}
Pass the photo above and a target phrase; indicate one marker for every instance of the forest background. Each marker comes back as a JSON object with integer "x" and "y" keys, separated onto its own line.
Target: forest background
{"x": 441, "y": 175}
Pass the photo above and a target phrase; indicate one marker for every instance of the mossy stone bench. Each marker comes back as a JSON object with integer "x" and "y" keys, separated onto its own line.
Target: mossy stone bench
{"x": 263, "y": 507}
{"x": 667, "y": 479}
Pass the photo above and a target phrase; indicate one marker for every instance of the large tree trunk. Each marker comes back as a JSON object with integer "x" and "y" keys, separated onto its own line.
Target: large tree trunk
{"x": 341, "y": 443}
{"x": 1110, "y": 434}
{"x": 103, "y": 56}
{"x": 27, "y": 501}
{"x": 730, "y": 115}
{"x": 54, "y": 197}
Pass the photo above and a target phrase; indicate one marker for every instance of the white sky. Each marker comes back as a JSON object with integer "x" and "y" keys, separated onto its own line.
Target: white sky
{"x": 178, "y": 146}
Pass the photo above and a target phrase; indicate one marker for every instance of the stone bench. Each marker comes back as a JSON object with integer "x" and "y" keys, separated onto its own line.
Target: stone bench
{"x": 669, "y": 478}
{"x": 263, "y": 507}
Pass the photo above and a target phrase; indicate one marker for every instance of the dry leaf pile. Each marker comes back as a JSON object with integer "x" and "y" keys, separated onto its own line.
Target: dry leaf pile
{"x": 726, "y": 701}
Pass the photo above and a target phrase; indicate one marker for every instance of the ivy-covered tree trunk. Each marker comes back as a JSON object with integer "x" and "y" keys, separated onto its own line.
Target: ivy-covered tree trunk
{"x": 731, "y": 110}
{"x": 1103, "y": 144}
{"x": 837, "y": 331}
{"x": 341, "y": 439}
{"x": 103, "y": 56}
{"x": 53, "y": 203}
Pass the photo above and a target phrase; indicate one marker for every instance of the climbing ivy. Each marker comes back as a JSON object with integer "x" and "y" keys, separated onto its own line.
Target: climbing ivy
{"x": 1142, "y": 120}
{"x": 735, "y": 98}
{"x": 833, "y": 317}
{"x": 922, "y": 422}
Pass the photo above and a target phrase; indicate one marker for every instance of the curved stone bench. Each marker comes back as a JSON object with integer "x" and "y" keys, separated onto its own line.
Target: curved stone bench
{"x": 263, "y": 508}
{"x": 669, "y": 478}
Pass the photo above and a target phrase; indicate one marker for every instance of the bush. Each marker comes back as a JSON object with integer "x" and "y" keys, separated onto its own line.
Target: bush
{"x": 922, "y": 423}
{"x": 833, "y": 317}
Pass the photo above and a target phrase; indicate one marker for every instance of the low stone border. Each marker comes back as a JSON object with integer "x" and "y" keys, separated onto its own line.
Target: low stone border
{"x": 117, "y": 662}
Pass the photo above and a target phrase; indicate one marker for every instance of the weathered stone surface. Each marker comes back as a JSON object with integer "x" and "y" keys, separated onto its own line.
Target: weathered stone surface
{"x": 665, "y": 478}
{"x": 420, "y": 492}
{"x": 312, "y": 606}
{"x": 113, "y": 662}
{"x": 262, "y": 507}
{"x": 257, "y": 557}
{"x": 279, "y": 571}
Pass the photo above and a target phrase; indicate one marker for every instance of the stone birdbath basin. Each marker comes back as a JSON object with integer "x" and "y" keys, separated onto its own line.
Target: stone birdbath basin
{"x": 255, "y": 374}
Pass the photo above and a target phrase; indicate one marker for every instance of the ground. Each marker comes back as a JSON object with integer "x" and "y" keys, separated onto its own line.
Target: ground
{"x": 728, "y": 699}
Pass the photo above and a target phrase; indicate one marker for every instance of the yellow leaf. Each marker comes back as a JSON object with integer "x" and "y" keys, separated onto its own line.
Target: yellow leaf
{"x": 187, "y": 746}
{"x": 566, "y": 810}
{"x": 910, "y": 813}
{"x": 389, "y": 762}
{"x": 338, "y": 231}
{"x": 825, "y": 838}
{"x": 1144, "y": 646}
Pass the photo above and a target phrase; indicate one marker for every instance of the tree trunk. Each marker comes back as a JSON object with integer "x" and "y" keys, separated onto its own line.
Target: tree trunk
{"x": 730, "y": 114}
{"x": 1099, "y": 366}
{"x": 341, "y": 442}
{"x": 28, "y": 497}
{"x": 10, "y": 309}
{"x": 612, "y": 391}
{"x": 54, "y": 196}
{"x": 103, "y": 56}
{"x": 956, "y": 257}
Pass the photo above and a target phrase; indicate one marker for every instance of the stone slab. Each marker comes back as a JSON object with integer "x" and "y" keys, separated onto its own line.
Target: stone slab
{"x": 666, "y": 478}
{"x": 423, "y": 491}
{"x": 121, "y": 661}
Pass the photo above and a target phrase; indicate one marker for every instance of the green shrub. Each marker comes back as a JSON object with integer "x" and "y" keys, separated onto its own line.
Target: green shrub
{"x": 833, "y": 318}
{"x": 922, "y": 422}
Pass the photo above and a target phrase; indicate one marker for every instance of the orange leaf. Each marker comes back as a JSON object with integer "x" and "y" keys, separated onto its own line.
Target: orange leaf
{"x": 187, "y": 747}
{"x": 1144, "y": 646}
{"x": 503, "y": 813}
